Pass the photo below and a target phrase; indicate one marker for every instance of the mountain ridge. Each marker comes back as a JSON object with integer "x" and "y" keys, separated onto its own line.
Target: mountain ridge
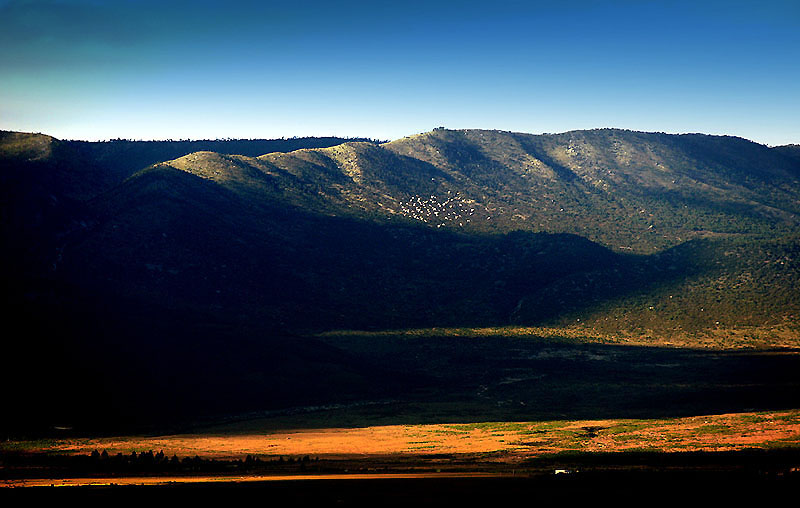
{"x": 476, "y": 188}
{"x": 536, "y": 179}
{"x": 631, "y": 192}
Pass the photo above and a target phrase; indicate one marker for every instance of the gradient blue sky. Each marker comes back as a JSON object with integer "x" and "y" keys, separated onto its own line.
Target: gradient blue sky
{"x": 88, "y": 69}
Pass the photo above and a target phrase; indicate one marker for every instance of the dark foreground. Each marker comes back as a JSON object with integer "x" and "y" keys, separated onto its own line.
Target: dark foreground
{"x": 624, "y": 479}
{"x": 625, "y": 488}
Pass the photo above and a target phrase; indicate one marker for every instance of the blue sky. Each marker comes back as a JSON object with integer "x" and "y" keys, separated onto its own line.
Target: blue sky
{"x": 90, "y": 69}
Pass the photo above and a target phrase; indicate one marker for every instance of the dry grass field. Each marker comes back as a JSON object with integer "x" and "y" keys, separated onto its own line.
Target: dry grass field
{"x": 507, "y": 442}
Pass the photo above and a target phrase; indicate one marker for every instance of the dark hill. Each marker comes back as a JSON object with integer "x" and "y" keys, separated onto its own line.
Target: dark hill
{"x": 790, "y": 151}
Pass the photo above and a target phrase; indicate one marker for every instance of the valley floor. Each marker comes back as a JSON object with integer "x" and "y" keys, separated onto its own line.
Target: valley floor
{"x": 504, "y": 442}
{"x": 480, "y": 404}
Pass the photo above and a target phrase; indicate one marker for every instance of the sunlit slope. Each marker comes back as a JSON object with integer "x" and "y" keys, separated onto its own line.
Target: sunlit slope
{"x": 356, "y": 178}
{"x": 631, "y": 191}
{"x": 82, "y": 169}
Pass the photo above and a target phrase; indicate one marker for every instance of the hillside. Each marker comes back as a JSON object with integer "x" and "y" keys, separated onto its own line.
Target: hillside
{"x": 629, "y": 190}
{"x": 790, "y": 151}
{"x": 45, "y": 183}
{"x": 362, "y": 232}
{"x": 235, "y": 256}
{"x": 636, "y": 192}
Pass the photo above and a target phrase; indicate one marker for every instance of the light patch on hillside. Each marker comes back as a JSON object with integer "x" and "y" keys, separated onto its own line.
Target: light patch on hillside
{"x": 347, "y": 159}
{"x": 25, "y": 146}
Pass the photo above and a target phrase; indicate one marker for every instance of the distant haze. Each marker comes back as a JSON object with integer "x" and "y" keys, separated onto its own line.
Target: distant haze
{"x": 85, "y": 69}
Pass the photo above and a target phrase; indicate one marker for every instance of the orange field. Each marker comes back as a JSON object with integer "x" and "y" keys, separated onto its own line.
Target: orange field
{"x": 491, "y": 441}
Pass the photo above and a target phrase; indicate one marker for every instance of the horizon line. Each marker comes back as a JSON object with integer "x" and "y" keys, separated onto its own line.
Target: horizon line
{"x": 381, "y": 141}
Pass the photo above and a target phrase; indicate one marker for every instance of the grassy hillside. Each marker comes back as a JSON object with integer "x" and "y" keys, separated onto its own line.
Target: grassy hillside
{"x": 725, "y": 284}
{"x": 631, "y": 191}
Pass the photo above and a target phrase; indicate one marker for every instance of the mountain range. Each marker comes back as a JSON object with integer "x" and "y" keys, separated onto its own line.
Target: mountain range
{"x": 247, "y": 247}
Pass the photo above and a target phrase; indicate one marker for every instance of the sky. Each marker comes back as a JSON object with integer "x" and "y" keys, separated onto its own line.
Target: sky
{"x": 142, "y": 69}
